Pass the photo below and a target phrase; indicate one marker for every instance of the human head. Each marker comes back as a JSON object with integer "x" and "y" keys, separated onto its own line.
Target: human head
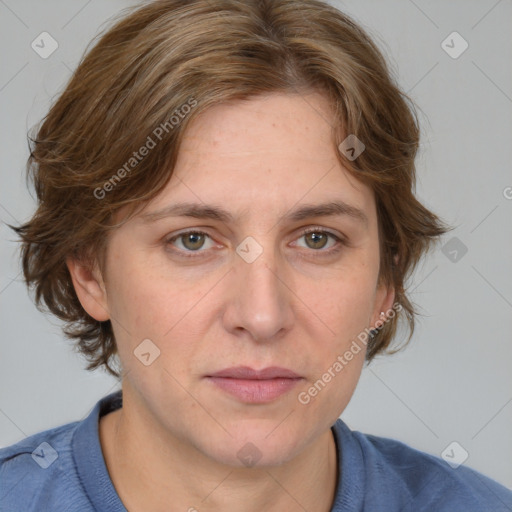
{"x": 151, "y": 75}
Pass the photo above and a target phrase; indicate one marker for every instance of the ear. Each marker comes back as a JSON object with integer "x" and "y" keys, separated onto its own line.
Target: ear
{"x": 384, "y": 299}
{"x": 90, "y": 288}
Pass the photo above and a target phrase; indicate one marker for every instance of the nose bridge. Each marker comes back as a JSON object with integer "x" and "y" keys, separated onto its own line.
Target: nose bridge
{"x": 262, "y": 298}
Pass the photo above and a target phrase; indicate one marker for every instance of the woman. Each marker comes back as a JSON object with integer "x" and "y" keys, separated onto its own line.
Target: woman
{"x": 226, "y": 220}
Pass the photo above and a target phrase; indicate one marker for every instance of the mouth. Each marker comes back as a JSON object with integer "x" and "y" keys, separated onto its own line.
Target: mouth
{"x": 255, "y": 386}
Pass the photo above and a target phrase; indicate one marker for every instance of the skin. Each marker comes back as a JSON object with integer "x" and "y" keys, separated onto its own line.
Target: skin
{"x": 174, "y": 443}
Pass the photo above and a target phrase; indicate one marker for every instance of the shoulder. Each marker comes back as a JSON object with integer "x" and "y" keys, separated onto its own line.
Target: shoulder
{"x": 39, "y": 469}
{"x": 428, "y": 481}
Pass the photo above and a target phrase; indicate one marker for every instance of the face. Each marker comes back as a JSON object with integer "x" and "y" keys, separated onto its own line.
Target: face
{"x": 247, "y": 288}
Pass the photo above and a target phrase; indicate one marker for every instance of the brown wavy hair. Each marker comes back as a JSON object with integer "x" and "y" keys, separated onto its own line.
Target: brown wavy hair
{"x": 142, "y": 72}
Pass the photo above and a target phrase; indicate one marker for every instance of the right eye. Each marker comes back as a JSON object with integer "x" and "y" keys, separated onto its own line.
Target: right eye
{"x": 191, "y": 241}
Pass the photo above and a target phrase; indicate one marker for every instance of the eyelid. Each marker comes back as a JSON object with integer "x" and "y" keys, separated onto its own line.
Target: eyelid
{"x": 320, "y": 229}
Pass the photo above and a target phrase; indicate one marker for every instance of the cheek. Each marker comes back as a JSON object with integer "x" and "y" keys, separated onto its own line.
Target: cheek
{"x": 345, "y": 302}
{"x": 344, "y": 306}
{"x": 334, "y": 379}
{"x": 138, "y": 298}
{"x": 150, "y": 303}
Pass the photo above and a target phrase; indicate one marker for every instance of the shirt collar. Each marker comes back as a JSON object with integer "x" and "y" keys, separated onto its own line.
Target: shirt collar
{"x": 89, "y": 460}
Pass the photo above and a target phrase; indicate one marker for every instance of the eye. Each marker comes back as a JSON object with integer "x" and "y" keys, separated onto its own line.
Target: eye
{"x": 319, "y": 239}
{"x": 191, "y": 241}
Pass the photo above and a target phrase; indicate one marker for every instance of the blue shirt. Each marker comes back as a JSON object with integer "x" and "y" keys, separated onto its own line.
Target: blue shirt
{"x": 63, "y": 469}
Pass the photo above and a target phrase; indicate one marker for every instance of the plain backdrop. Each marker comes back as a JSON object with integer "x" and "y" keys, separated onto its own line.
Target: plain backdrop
{"x": 453, "y": 382}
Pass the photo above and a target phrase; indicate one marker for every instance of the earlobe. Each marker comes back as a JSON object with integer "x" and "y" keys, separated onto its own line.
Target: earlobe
{"x": 89, "y": 288}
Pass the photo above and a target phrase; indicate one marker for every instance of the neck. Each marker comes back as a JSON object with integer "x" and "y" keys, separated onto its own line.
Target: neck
{"x": 150, "y": 469}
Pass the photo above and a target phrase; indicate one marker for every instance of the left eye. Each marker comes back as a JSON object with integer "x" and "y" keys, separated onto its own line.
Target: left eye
{"x": 193, "y": 241}
{"x": 319, "y": 238}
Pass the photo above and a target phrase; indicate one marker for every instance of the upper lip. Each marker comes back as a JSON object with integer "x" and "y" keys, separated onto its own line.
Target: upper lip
{"x": 246, "y": 372}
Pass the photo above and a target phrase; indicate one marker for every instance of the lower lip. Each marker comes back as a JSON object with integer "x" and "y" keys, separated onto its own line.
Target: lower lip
{"x": 255, "y": 391}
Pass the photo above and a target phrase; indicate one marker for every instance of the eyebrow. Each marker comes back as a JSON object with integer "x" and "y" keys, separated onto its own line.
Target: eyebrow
{"x": 214, "y": 212}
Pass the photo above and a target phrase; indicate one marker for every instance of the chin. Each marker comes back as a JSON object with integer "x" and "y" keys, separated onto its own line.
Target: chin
{"x": 253, "y": 447}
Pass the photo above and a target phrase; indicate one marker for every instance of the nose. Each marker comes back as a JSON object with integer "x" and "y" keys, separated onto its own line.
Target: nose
{"x": 260, "y": 298}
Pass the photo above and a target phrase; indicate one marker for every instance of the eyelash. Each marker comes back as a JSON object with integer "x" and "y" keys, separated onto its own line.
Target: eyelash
{"x": 322, "y": 253}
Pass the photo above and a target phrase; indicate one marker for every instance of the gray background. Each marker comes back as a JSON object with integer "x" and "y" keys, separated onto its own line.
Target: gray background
{"x": 453, "y": 382}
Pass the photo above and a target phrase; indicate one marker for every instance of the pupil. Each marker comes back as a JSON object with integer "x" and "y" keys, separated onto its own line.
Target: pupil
{"x": 194, "y": 238}
{"x": 317, "y": 238}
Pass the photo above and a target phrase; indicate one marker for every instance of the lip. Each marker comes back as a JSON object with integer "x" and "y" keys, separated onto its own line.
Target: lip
{"x": 255, "y": 386}
{"x": 247, "y": 373}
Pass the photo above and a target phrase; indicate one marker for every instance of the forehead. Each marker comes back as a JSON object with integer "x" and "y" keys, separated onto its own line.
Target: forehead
{"x": 265, "y": 154}
{"x": 280, "y": 124}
